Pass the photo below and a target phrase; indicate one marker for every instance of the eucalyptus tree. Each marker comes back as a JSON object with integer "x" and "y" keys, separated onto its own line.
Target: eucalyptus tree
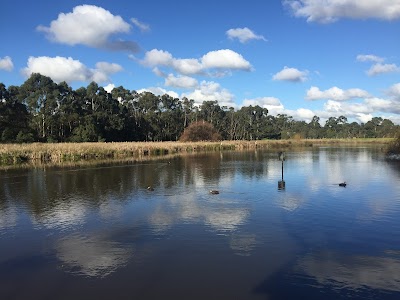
{"x": 189, "y": 111}
{"x": 14, "y": 117}
{"x": 314, "y": 128}
{"x": 211, "y": 111}
{"x": 252, "y": 123}
{"x": 39, "y": 93}
{"x": 172, "y": 118}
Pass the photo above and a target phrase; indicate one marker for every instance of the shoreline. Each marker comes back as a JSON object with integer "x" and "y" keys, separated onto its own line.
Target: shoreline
{"x": 61, "y": 153}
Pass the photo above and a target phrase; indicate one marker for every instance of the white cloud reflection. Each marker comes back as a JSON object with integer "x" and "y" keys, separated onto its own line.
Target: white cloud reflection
{"x": 91, "y": 256}
{"x": 355, "y": 272}
{"x": 224, "y": 215}
{"x": 63, "y": 215}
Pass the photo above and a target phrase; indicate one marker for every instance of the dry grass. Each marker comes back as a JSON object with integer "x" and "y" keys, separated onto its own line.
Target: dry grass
{"x": 38, "y": 153}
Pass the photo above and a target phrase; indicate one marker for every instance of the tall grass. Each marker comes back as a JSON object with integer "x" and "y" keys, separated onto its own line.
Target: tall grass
{"x": 38, "y": 153}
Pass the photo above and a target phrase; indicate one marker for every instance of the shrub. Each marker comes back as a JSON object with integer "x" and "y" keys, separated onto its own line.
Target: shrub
{"x": 200, "y": 131}
{"x": 394, "y": 147}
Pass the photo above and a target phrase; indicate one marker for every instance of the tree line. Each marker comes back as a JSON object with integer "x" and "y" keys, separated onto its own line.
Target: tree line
{"x": 41, "y": 110}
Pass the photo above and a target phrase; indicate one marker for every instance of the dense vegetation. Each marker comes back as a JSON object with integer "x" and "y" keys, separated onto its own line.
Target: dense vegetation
{"x": 41, "y": 110}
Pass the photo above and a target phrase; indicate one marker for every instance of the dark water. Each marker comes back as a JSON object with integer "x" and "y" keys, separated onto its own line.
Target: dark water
{"x": 98, "y": 233}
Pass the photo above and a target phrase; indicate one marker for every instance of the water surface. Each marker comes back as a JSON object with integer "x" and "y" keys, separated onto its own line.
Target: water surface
{"x": 97, "y": 232}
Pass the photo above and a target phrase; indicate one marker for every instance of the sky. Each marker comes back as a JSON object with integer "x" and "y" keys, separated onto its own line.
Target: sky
{"x": 302, "y": 58}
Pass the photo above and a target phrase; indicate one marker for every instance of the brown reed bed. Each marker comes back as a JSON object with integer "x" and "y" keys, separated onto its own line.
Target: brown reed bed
{"x": 61, "y": 153}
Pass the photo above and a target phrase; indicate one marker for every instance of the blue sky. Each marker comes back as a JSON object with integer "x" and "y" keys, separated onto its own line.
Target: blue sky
{"x": 301, "y": 58}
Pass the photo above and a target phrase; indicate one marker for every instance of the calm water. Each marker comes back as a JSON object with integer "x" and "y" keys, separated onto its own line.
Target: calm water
{"x": 98, "y": 233}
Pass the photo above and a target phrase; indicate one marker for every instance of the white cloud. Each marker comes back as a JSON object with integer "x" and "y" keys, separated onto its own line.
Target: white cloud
{"x": 369, "y": 57}
{"x": 109, "y": 87}
{"x": 328, "y": 11}
{"x": 142, "y": 26}
{"x": 394, "y": 91}
{"x": 363, "y": 111}
{"x": 220, "y": 59}
{"x": 243, "y": 35}
{"x": 210, "y": 91}
{"x": 225, "y": 59}
{"x": 157, "y": 57}
{"x": 335, "y": 93}
{"x": 89, "y": 25}
{"x": 187, "y": 66}
{"x": 271, "y": 103}
{"x": 6, "y": 64}
{"x": 383, "y": 105}
{"x": 181, "y": 81}
{"x": 158, "y": 91}
{"x": 379, "y": 68}
{"x": 69, "y": 70}
{"x": 291, "y": 74}
{"x": 302, "y": 114}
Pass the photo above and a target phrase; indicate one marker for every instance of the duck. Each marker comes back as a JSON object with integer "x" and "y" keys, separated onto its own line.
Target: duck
{"x": 214, "y": 192}
{"x": 343, "y": 184}
{"x": 150, "y": 188}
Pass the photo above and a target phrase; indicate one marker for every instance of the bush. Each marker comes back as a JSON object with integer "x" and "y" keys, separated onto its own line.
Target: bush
{"x": 200, "y": 131}
{"x": 394, "y": 147}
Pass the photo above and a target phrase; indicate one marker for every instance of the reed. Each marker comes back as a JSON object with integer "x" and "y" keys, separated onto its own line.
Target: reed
{"x": 39, "y": 153}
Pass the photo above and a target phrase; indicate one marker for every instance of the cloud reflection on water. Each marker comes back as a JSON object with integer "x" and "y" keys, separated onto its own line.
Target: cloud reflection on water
{"x": 63, "y": 215}
{"x": 352, "y": 272}
{"x": 91, "y": 256}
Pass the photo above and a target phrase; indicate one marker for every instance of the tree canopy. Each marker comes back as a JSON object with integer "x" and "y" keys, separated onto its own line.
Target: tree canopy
{"x": 41, "y": 110}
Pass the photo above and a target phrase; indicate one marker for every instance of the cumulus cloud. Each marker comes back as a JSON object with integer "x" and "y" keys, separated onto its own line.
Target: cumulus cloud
{"x": 69, "y": 70}
{"x": 181, "y": 81}
{"x": 335, "y": 93}
{"x": 6, "y": 64}
{"x": 273, "y": 104}
{"x": 291, "y": 74}
{"x": 109, "y": 87}
{"x": 363, "y": 112}
{"x": 225, "y": 59}
{"x": 369, "y": 57}
{"x": 379, "y": 68}
{"x": 210, "y": 91}
{"x": 329, "y": 11}
{"x": 157, "y": 57}
{"x": 91, "y": 26}
{"x": 158, "y": 91}
{"x": 243, "y": 35}
{"x": 142, "y": 26}
{"x": 275, "y": 107}
{"x": 221, "y": 59}
{"x": 394, "y": 91}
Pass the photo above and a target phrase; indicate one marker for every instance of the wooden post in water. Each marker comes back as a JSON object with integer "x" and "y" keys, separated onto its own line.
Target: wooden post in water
{"x": 281, "y": 183}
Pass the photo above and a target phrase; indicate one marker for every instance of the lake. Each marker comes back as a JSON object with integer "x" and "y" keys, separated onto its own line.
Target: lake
{"x": 96, "y": 232}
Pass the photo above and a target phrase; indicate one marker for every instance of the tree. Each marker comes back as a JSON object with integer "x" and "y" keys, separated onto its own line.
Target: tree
{"x": 14, "y": 117}
{"x": 39, "y": 94}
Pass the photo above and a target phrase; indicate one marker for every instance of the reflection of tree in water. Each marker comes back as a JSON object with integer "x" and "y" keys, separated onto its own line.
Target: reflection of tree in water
{"x": 42, "y": 189}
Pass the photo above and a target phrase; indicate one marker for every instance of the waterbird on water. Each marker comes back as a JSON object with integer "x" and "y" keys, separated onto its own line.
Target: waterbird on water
{"x": 150, "y": 188}
{"x": 343, "y": 184}
{"x": 214, "y": 192}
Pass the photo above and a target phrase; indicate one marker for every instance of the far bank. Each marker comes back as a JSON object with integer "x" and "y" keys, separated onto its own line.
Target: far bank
{"x": 58, "y": 153}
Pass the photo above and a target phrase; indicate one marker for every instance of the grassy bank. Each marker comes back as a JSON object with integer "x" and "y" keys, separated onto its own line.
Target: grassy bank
{"x": 37, "y": 153}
